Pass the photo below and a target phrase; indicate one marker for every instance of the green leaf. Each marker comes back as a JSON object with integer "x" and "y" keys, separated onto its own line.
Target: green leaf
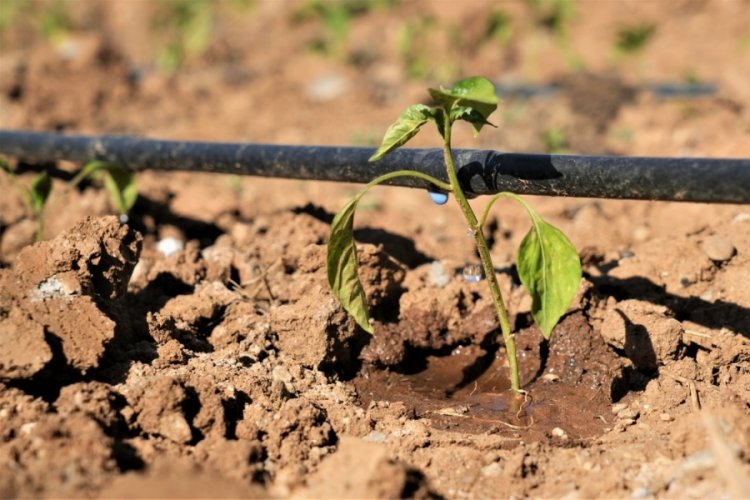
{"x": 342, "y": 265}
{"x": 550, "y": 269}
{"x": 119, "y": 183}
{"x": 341, "y": 262}
{"x": 90, "y": 169}
{"x": 469, "y": 115}
{"x": 5, "y": 167}
{"x": 39, "y": 190}
{"x": 403, "y": 129}
{"x": 472, "y": 99}
{"x": 122, "y": 189}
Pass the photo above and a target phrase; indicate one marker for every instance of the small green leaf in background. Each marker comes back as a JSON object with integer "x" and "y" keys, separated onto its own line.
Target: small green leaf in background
{"x": 89, "y": 170}
{"x": 39, "y": 190}
{"x": 472, "y": 99}
{"x": 404, "y": 128}
{"x": 5, "y": 167}
{"x": 342, "y": 265}
{"x": 122, "y": 189}
{"x": 550, "y": 269}
{"x": 118, "y": 181}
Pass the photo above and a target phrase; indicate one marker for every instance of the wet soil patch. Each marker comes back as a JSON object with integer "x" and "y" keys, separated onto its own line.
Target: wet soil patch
{"x": 570, "y": 383}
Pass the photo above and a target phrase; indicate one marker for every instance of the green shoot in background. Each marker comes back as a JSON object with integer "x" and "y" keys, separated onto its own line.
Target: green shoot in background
{"x": 547, "y": 262}
{"x": 34, "y": 196}
{"x": 118, "y": 181}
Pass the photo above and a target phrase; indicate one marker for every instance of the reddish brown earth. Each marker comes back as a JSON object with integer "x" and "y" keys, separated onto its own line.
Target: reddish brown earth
{"x": 228, "y": 369}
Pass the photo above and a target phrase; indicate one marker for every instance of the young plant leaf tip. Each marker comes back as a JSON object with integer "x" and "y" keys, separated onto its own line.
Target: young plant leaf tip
{"x": 119, "y": 182}
{"x": 548, "y": 264}
{"x": 403, "y": 129}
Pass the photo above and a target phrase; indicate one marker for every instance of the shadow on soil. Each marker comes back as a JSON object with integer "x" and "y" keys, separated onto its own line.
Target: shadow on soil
{"x": 714, "y": 315}
{"x": 161, "y": 214}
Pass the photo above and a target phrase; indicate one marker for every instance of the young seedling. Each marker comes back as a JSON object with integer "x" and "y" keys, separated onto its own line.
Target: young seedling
{"x": 34, "y": 196}
{"x": 118, "y": 181}
{"x": 548, "y": 264}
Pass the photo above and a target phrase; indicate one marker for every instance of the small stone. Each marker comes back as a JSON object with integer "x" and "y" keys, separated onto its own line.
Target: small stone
{"x": 666, "y": 417}
{"x": 328, "y": 87}
{"x": 169, "y": 246}
{"x": 376, "y": 437}
{"x": 718, "y": 248}
{"x": 641, "y": 493}
{"x": 282, "y": 374}
{"x": 27, "y": 427}
{"x": 175, "y": 427}
{"x": 628, "y": 414}
{"x": 618, "y": 407}
{"x": 641, "y": 233}
{"x": 492, "y": 470}
{"x": 741, "y": 217}
{"x": 627, "y": 421}
{"x": 437, "y": 274}
{"x": 55, "y": 287}
{"x": 558, "y": 432}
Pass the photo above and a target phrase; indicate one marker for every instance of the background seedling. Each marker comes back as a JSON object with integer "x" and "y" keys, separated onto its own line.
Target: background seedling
{"x": 187, "y": 26}
{"x": 336, "y": 17}
{"x": 499, "y": 27}
{"x": 631, "y": 39}
{"x": 554, "y": 15}
{"x": 548, "y": 264}
{"x": 118, "y": 181}
{"x": 55, "y": 23}
{"x": 34, "y": 196}
{"x": 555, "y": 141}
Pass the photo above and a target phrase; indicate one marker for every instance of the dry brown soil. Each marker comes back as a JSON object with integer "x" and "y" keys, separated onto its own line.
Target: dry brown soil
{"x": 228, "y": 368}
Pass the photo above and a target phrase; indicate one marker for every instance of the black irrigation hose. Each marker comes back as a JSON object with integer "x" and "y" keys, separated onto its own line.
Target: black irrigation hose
{"x": 480, "y": 171}
{"x": 659, "y": 90}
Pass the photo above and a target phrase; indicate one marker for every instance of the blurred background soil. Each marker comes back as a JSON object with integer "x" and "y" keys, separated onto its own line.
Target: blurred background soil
{"x": 226, "y": 368}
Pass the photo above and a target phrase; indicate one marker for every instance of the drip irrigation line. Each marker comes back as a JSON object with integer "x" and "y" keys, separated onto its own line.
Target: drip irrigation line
{"x": 664, "y": 91}
{"x": 481, "y": 172}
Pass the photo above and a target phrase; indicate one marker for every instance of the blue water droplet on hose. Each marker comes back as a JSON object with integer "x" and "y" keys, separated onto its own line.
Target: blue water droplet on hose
{"x": 439, "y": 198}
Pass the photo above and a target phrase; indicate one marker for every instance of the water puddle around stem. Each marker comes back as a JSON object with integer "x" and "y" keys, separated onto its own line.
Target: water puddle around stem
{"x": 466, "y": 392}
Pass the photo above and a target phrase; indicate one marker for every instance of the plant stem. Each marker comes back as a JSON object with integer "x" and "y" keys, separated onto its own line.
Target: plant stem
{"x": 484, "y": 255}
{"x": 39, "y": 235}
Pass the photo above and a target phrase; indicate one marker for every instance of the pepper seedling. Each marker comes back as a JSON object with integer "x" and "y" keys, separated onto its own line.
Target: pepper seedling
{"x": 118, "y": 181}
{"x": 547, "y": 262}
{"x": 34, "y": 196}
